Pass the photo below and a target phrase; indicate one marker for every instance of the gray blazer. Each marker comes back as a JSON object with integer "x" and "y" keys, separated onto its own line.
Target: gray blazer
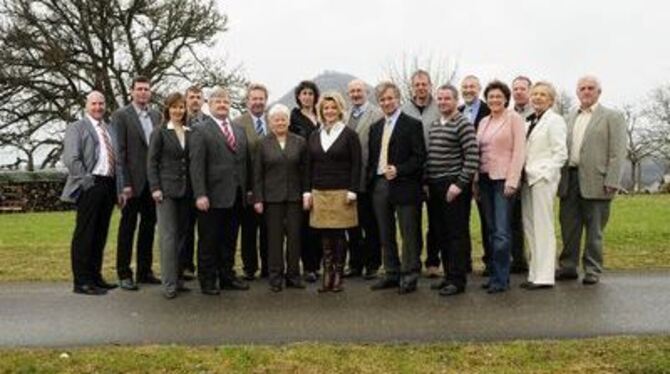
{"x": 280, "y": 175}
{"x": 133, "y": 146}
{"x": 168, "y": 164}
{"x": 80, "y": 154}
{"x": 371, "y": 115}
{"x": 216, "y": 171}
{"x": 602, "y": 156}
{"x": 430, "y": 114}
{"x": 245, "y": 121}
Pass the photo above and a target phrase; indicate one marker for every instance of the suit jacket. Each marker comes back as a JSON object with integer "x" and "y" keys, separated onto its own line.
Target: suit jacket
{"x": 371, "y": 115}
{"x": 483, "y": 112}
{"x": 168, "y": 168}
{"x": 430, "y": 114}
{"x": 507, "y": 150}
{"x": 406, "y": 151}
{"x": 602, "y": 156}
{"x": 80, "y": 154}
{"x": 546, "y": 148}
{"x": 280, "y": 175}
{"x": 216, "y": 171}
{"x": 246, "y": 122}
{"x": 133, "y": 146}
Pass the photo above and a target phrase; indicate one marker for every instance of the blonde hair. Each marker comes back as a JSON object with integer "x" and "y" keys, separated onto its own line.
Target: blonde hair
{"x": 550, "y": 89}
{"x": 331, "y": 96}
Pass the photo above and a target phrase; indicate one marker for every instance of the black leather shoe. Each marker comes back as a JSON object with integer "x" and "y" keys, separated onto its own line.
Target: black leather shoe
{"x": 210, "y": 291}
{"x": 351, "y": 273}
{"x": 128, "y": 284}
{"x": 311, "y": 277}
{"x": 234, "y": 284}
{"x": 450, "y": 290}
{"x": 101, "y": 283}
{"x": 533, "y": 286}
{"x": 590, "y": 279}
{"x": 148, "y": 279}
{"x": 295, "y": 284}
{"x": 276, "y": 288}
{"x": 565, "y": 275}
{"x": 371, "y": 274}
{"x": 89, "y": 289}
{"x": 525, "y": 284}
{"x": 439, "y": 285}
{"x": 407, "y": 288}
{"x": 384, "y": 284}
{"x": 486, "y": 286}
{"x": 249, "y": 276}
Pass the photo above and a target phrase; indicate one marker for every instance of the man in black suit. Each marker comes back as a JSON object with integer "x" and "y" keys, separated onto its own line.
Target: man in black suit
{"x": 186, "y": 269}
{"x": 397, "y": 153}
{"x": 133, "y": 125}
{"x": 475, "y": 110}
{"x": 90, "y": 155}
{"x": 220, "y": 178}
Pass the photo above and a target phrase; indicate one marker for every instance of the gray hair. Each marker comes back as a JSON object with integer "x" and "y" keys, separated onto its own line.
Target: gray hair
{"x": 384, "y": 86}
{"x": 279, "y": 109}
{"x": 550, "y": 88}
{"x": 219, "y": 93}
{"x": 591, "y": 78}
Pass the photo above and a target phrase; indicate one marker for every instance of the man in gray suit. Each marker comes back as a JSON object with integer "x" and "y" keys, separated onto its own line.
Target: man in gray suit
{"x": 133, "y": 125}
{"x": 364, "y": 248}
{"x": 220, "y": 175}
{"x": 90, "y": 155}
{"x": 589, "y": 180}
{"x": 255, "y": 125}
{"x": 423, "y": 107}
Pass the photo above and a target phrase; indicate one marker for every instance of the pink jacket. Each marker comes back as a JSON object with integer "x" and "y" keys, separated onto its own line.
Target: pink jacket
{"x": 505, "y": 153}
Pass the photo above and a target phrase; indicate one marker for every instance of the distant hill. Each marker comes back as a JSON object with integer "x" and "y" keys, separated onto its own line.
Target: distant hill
{"x": 326, "y": 81}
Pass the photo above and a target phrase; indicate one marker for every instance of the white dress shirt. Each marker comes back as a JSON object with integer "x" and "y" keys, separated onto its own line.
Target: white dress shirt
{"x": 102, "y": 166}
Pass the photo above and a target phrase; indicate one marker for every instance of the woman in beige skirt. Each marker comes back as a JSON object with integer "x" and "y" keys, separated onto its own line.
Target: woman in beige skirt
{"x": 334, "y": 168}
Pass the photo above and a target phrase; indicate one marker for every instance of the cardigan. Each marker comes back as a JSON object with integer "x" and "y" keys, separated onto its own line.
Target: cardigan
{"x": 502, "y": 150}
{"x": 340, "y": 166}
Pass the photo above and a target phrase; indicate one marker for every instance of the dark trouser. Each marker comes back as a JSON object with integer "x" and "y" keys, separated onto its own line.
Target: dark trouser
{"x": 364, "y": 248}
{"x": 334, "y": 246}
{"x": 187, "y": 250}
{"x": 519, "y": 261}
{"x": 432, "y": 248}
{"x": 311, "y": 246}
{"x": 217, "y": 238}
{"x": 94, "y": 210}
{"x": 408, "y": 219}
{"x": 173, "y": 224}
{"x": 486, "y": 245}
{"x": 283, "y": 220}
{"x": 577, "y": 215}
{"x": 497, "y": 211}
{"x": 254, "y": 241}
{"x": 142, "y": 205}
{"x": 449, "y": 223}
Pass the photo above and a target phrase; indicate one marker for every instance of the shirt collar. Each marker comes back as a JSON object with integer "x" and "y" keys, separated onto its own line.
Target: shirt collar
{"x": 590, "y": 109}
{"x": 95, "y": 122}
{"x": 393, "y": 117}
{"x": 339, "y": 125}
{"x": 139, "y": 109}
{"x": 255, "y": 119}
{"x": 220, "y": 122}
{"x": 170, "y": 126}
{"x": 357, "y": 111}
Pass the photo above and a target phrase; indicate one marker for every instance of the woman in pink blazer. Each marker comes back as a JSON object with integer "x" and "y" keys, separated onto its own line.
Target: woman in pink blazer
{"x": 502, "y": 143}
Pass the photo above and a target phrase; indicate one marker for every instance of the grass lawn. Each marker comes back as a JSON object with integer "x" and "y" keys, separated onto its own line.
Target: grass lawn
{"x": 602, "y": 355}
{"x": 35, "y": 246}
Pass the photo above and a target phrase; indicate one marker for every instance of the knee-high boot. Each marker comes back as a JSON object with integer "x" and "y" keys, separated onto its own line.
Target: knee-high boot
{"x": 328, "y": 249}
{"x": 338, "y": 264}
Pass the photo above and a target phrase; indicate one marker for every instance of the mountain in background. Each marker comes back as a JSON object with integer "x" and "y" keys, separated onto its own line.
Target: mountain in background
{"x": 326, "y": 81}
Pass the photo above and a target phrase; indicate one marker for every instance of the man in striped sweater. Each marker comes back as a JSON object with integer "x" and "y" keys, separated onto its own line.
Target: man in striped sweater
{"x": 453, "y": 160}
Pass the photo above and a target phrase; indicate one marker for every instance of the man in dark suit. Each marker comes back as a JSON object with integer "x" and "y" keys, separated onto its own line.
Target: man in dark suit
{"x": 133, "y": 125}
{"x": 397, "y": 153}
{"x": 220, "y": 178}
{"x": 475, "y": 110}
{"x": 90, "y": 155}
{"x": 255, "y": 125}
{"x": 186, "y": 269}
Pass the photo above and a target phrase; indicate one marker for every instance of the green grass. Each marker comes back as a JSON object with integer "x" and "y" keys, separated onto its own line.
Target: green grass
{"x": 602, "y": 355}
{"x": 35, "y": 246}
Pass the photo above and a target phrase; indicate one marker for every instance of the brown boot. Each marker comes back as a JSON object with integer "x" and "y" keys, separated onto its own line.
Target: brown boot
{"x": 338, "y": 265}
{"x": 327, "y": 283}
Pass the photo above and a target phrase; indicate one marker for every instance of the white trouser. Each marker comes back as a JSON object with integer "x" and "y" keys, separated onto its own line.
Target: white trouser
{"x": 537, "y": 207}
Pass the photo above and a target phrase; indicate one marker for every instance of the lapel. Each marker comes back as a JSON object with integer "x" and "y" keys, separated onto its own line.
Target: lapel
{"x": 94, "y": 136}
{"x": 172, "y": 135}
{"x": 539, "y": 127}
{"x": 132, "y": 113}
{"x": 396, "y": 129}
{"x": 215, "y": 129}
{"x": 572, "y": 117}
{"x": 597, "y": 115}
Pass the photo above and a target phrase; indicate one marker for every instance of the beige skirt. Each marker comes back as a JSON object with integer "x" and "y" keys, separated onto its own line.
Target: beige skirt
{"x": 330, "y": 210}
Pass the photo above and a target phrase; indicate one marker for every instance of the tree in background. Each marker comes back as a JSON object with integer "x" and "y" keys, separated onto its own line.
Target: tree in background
{"x": 442, "y": 70}
{"x": 564, "y": 103}
{"x": 53, "y": 52}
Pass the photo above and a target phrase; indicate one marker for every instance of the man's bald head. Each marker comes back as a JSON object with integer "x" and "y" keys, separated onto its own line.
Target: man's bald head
{"x": 358, "y": 92}
{"x": 95, "y": 105}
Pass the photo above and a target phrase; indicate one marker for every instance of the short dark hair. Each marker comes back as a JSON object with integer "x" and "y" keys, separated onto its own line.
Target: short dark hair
{"x": 449, "y": 87}
{"x": 139, "y": 79}
{"x": 306, "y": 85}
{"x": 171, "y": 100}
{"x": 523, "y": 78}
{"x": 498, "y": 85}
{"x": 194, "y": 88}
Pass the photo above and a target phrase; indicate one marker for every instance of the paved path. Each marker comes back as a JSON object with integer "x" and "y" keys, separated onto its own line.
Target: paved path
{"x": 49, "y": 314}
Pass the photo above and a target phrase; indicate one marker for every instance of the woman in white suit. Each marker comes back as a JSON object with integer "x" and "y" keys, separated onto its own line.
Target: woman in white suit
{"x": 546, "y": 153}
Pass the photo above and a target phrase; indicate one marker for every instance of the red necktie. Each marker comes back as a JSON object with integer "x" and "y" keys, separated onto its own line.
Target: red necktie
{"x": 230, "y": 137}
{"x": 111, "y": 157}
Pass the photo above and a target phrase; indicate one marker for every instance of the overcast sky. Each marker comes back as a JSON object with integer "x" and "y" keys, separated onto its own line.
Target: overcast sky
{"x": 622, "y": 42}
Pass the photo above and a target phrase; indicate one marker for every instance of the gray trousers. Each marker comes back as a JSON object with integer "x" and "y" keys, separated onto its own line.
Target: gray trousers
{"x": 283, "y": 220}
{"x": 408, "y": 219}
{"x": 173, "y": 223}
{"x": 578, "y": 215}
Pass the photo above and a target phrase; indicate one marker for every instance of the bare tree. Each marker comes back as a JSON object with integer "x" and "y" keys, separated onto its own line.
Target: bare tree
{"x": 52, "y": 52}
{"x": 564, "y": 103}
{"x": 442, "y": 70}
{"x": 642, "y": 142}
{"x": 658, "y": 112}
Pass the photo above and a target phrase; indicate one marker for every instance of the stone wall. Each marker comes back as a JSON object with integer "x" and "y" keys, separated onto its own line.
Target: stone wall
{"x": 22, "y": 191}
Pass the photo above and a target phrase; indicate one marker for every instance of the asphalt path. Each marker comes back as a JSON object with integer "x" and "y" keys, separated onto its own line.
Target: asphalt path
{"x": 51, "y": 315}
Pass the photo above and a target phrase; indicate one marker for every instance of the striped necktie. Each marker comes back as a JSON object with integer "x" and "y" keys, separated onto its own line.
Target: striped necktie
{"x": 259, "y": 127}
{"x": 228, "y": 134}
{"x": 111, "y": 157}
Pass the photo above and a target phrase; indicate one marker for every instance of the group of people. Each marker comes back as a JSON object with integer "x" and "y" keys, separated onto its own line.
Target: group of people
{"x": 326, "y": 181}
